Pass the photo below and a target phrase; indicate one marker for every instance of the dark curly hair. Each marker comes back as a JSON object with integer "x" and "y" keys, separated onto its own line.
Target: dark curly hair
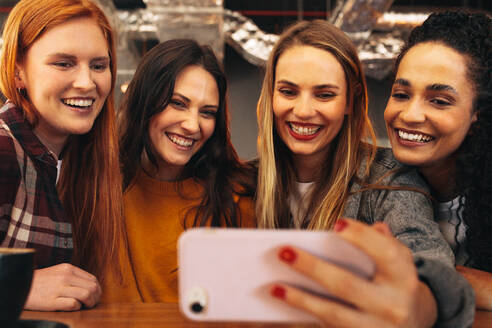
{"x": 470, "y": 35}
{"x": 216, "y": 165}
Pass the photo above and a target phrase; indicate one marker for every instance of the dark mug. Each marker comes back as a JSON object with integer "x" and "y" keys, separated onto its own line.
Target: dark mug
{"x": 16, "y": 270}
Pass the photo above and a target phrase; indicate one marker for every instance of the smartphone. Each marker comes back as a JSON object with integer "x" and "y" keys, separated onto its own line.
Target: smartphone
{"x": 225, "y": 274}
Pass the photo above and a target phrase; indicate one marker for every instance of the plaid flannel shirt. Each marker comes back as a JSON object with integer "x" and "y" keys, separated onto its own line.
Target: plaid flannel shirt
{"x": 31, "y": 213}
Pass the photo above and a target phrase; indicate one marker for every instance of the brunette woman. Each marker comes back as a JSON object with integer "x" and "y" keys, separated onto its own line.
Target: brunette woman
{"x": 315, "y": 168}
{"x": 439, "y": 118}
{"x": 180, "y": 169}
{"x": 59, "y": 110}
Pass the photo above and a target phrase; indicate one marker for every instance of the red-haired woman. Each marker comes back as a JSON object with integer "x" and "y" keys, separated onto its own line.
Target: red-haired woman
{"x": 59, "y": 118}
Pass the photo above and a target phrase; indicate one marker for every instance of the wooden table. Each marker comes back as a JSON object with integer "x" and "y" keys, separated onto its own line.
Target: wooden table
{"x": 165, "y": 315}
{"x": 141, "y": 315}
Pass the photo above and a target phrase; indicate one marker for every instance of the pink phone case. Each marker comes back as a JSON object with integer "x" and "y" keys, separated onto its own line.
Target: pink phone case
{"x": 225, "y": 274}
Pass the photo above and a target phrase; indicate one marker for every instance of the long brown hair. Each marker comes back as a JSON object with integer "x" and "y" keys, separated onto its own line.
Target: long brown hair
{"x": 276, "y": 176}
{"x": 90, "y": 179}
{"x": 216, "y": 165}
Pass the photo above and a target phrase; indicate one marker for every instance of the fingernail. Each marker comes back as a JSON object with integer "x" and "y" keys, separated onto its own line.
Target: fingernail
{"x": 278, "y": 292}
{"x": 287, "y": 254}
{"x": 340, "y": 225}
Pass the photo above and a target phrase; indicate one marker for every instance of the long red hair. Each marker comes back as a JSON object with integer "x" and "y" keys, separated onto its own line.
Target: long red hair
{"x": 90, "y": 179}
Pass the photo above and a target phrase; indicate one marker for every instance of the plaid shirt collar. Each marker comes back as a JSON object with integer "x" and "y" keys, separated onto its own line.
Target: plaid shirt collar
{"x": 23, "y": 132}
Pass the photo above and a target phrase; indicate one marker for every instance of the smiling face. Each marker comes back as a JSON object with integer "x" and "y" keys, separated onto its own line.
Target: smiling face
{"x": 309, "y": 101}
{"x": 66, "y": 75}
{"x": 430, "y": 109}
{"x": 187, "y": 122}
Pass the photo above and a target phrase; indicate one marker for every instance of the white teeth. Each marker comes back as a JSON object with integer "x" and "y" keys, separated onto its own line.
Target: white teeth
{"x": 180, "y": 141}
{"x": 414, "y": 136}
{"x": 304, "y": 130}
{"x": 78, "y": 102}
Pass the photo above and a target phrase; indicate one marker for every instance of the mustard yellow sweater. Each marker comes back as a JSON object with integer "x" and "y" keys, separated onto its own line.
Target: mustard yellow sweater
{"x": 154, "y": 216}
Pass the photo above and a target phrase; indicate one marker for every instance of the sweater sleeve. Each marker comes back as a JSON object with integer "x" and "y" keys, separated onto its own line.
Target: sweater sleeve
{"x": 410, "y": 216}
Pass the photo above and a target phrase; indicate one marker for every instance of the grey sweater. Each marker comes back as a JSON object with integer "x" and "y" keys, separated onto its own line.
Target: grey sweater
{"x": 410, "y": 216}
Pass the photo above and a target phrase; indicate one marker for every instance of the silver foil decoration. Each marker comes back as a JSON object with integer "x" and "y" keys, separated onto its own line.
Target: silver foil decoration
{"x": 400, "y": 21}
{"x": 201, "y": 20}
{"x": 357, "y": 18}
{"x": 378, "y": 51}
{"x": 378, "y": 35}
{"x": 162, "y": 20}
{"x": 247, "y": 39}
{"x": 377, "y": 45}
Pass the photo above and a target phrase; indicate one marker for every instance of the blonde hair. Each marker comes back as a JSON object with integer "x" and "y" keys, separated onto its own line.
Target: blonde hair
{"x": 276, "y": 176}
{"x": 90, "y": 179}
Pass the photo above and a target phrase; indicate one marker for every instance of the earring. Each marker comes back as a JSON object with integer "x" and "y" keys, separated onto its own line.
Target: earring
{"x": 21, "y": 91}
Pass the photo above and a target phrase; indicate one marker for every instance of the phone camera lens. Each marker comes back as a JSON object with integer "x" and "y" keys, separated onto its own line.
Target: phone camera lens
{"x": 197, "y": 300}
{"x": 196, "y": 307}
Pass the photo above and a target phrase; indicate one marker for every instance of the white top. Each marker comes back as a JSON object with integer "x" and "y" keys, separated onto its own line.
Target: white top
{"x": 453, "y": 228}
{"x": 298, "y": 205}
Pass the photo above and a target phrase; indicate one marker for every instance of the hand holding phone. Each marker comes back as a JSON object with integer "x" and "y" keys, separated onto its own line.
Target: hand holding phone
{"x": 224, "y": 274}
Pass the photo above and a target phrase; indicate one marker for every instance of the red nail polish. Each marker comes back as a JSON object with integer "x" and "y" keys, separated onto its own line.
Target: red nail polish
{"x": 287, "y": 254}
{"x": 278, "y": 292}
{"x": 340, "y": 225}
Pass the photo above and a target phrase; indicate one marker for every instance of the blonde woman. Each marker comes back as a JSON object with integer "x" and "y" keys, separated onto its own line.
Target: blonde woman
{"x": 315, "y": 167}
